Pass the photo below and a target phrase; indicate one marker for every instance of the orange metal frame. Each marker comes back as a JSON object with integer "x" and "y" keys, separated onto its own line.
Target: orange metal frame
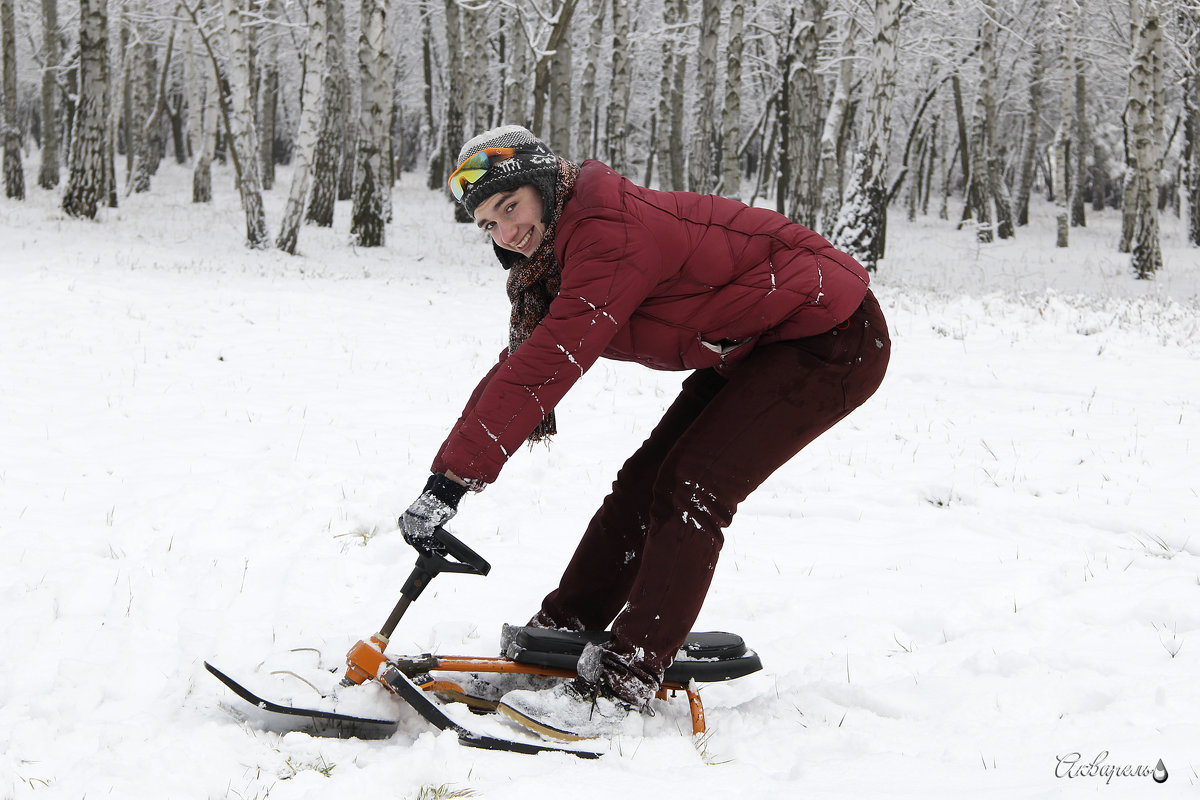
{"x": 366, "y": 660}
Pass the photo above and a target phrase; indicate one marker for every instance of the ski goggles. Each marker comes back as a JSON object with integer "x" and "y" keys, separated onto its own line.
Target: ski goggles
{"x": 475, "y": 167}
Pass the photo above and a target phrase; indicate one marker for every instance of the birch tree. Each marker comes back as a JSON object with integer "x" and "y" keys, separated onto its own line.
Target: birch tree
{"x": 373, "y": 174}
{"x": 1064, "y": 134}
{"x": 14, "y": 173}
{"x": 731, "y": 113}
{"x": 997, "y": 187}
{"x": 861, "y": 229}
{"x": 1029, "y": 136}
{"x": 561, "y": 70}
{"x": 585, "y": 144}
{"x": 672, "y": 166}
{"x": 1143, "y": 134}
{"x": 201, "y": 83}
{"x": 311, "y": 106}
{"x": 831, "y": 133}
{"x": 1189, "y": 19}
{"x": 618, "y": 106}
{"x": 240, "y": 117}
{"x": 702, "y": 157}
{"x": 87, "y": 173}
{"x": 801, "y": 158}
{"x": 48, "y": 175}
{"x": 331, "y": 140}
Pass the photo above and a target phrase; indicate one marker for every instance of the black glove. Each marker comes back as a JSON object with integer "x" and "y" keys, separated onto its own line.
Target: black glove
{"x": 436, "y": 505}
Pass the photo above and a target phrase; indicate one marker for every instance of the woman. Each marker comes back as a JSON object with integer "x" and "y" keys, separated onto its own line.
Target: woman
{"x": 782, "y": 336}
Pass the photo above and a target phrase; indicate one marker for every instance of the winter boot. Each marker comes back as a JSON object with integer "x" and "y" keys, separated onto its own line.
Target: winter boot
{"x": 482, "y": 691}
{"x": 571, "y": 711}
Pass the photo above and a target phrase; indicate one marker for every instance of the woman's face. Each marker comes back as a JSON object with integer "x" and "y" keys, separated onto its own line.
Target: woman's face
{"x": 514, "y": 219}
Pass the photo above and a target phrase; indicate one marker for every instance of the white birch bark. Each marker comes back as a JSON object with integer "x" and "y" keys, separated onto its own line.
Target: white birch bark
{"x": 14, "y": 172}
{"x": 1191, "y": 106}
{"x": 372, "y": 174}
{"x": 48, "y": 174}
{"x": 585, "y": 145}
{"x": 861, "y": 229}
{"x": 618, "y": 106}
{"x": 244, "y": 140}
{"x": 88, "y": 172}
{"x": 1029, "y": 138}
{"x": 1143, "y": 117}
{"x": 731, "y": 113}
{"x": 1064, "y": 133}
{"x": 311, "y": 106}
{"x": 831, "y": 168}
{"x": 701, "y": 155}
{"x": 331, "y": 140}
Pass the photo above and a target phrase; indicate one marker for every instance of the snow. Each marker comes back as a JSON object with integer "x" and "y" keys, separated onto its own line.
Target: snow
{"x": 982, "y": 580}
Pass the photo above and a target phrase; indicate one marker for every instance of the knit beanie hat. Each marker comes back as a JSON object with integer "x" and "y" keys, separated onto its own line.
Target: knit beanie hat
{"x": 534, "y": 164}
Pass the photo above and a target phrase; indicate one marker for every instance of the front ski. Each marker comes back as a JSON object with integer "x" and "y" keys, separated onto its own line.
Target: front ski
{"x": 333, "y": 724}
{"x": 321, "y": 723}
{"x": 398, "y": 682}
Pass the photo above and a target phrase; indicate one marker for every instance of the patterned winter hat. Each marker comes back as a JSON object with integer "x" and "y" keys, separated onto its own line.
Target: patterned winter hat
{"x": 534, "y": 164}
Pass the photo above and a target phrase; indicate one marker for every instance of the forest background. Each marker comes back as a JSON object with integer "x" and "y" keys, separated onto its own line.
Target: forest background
{"x": 832, "y": 111}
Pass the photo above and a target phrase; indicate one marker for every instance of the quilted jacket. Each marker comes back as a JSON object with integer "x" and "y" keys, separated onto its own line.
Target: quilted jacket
{"x": 672, "y": 280}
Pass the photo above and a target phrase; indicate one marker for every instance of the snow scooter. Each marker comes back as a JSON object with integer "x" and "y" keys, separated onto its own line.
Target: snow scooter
{"x": 705, "y": 657}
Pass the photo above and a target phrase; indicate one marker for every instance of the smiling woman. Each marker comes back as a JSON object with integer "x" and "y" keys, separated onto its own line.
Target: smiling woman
{"x": 782, "y": 335}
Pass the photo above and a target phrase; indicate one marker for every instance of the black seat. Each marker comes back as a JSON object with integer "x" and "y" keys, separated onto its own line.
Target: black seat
{"x": 705, "y": 657}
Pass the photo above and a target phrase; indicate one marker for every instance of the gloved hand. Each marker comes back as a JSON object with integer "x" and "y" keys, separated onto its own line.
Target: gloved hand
{"x": 436, "y": 505}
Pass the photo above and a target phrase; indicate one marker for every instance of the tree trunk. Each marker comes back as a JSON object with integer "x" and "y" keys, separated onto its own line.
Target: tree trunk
{"x": 670, "y": 155}
{"x": 373, "y": 177}
{"x": 997, "y": 188}
{"x": 979, "y": 199}
{"x": 618, "y": 106}
{"x": 141, "y": 80}
{"x": 805, "y": 118}
{"x": 14, "y": 173}
{"x": 1143, "y": 116}
{"x": 1079, "y": 177}
{"x": 1063, "y": 137}
{"x": 202, "y": 119}
{"x": 87, "y": 173}
{"x": 861, "y": 229}
{"x": 731, "y": 114}
{"x": 268, "y": 104}
{"x": 585, "y": 131}
{"x": 331, "y": 140}
{"x": 702, "y": 170}
{"x": 1191, "y": 135}
{"x": 244, "y": 141}
{"x": 831, "y": 172}
{"x": 48, "y": 175}
{"x": 1029, "y": 139}
{"x": 311, "y": 106}
{"x": 561, "y": 75}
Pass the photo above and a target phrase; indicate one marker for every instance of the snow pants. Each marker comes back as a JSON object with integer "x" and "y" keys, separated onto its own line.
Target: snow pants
{"x": 647, "y": 557}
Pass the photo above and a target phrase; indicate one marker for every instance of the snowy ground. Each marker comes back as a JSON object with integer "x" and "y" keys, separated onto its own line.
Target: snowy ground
{"x": 203, "y": 449}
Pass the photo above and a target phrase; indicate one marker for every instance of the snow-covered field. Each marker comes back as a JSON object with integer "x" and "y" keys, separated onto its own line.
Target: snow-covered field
{"x": 984, "y": 576}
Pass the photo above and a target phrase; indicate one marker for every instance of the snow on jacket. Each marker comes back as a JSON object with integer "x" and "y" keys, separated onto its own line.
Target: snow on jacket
{"x": 671, "y": 280}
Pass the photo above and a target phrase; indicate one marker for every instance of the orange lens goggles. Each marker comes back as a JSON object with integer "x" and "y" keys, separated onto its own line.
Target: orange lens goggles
{"x": 475, "y": 167}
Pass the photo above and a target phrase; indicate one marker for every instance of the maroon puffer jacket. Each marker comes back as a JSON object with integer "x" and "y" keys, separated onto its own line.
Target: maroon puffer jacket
{"x": 672, "y": 280}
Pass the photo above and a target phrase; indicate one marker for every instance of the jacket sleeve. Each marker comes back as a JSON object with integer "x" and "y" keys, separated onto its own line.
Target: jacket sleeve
{"x": 605, "y": 278}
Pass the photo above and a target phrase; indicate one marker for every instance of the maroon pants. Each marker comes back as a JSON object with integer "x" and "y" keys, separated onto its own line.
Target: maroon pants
{"x": 647, "y": 557}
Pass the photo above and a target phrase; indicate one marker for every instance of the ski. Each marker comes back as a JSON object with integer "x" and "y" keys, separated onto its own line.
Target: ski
{"x": 322, "y": 723}
{"x": 345, "y": 726}
{"x": 399, "y": 683}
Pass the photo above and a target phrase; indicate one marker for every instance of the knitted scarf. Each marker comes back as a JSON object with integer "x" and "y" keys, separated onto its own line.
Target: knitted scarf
{"x": 534, "y": 282}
